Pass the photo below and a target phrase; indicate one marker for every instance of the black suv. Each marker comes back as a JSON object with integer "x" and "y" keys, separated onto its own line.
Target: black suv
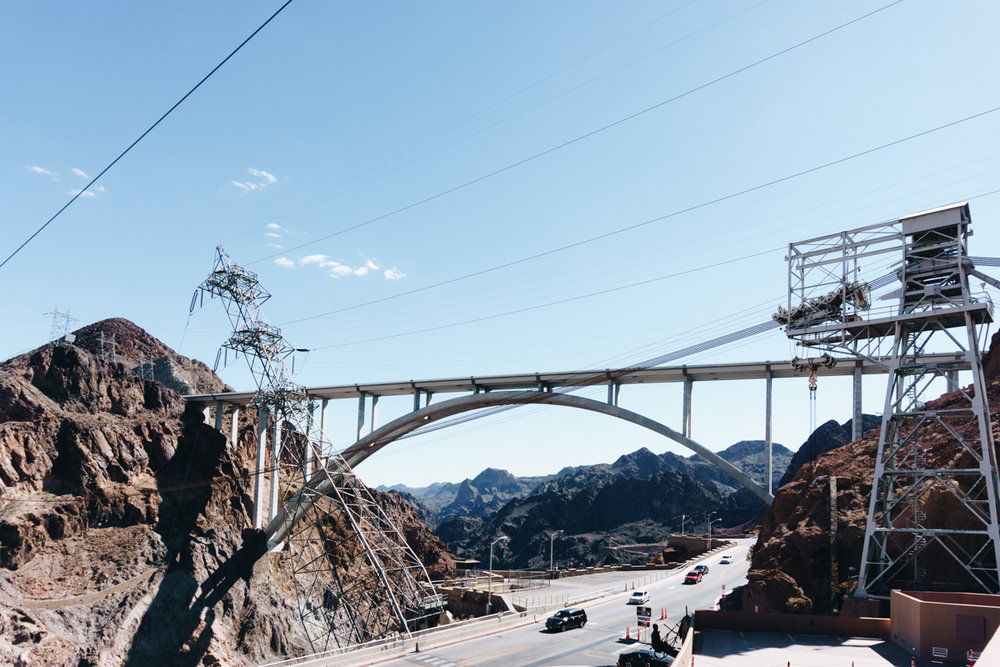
{"x": 564, "y": 619}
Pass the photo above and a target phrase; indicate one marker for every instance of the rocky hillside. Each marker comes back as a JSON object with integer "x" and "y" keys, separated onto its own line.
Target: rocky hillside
{"x": 124, "y": 518}
{"x": 747, "y": 455}
{"x": 827, "y": 437}
{"x": 605, "y": 510}
{"x": 596, "y": 522}
{"x": 478, "y": 497}
{"x": 792, "y": 561}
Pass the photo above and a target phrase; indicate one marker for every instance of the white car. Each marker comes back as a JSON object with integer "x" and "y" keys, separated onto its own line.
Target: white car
{"x": 638, "y": 597}
{"x": 726, "y": 560}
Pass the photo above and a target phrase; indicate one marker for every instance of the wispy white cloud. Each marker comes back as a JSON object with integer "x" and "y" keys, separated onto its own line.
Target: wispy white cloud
{"x": 261, "y": 179}
{"x": 276, "y": 246}
{"x": 275, "y": 226}
{"x": 80, "y": 172}
{"x": 41, "y": 170}
{"x": 340, "y": 270}
{"x": 265, "y": 177}
{"x": 86, "y": 193}
{"x": 272, "y": 235}
{"x": 285, "y": 262}
{"x": 363, "y": 270}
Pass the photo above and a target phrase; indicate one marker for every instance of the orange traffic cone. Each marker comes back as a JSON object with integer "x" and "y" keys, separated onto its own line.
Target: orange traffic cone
{"x": 913, "y": 661}
{"x": 626, "y": 633}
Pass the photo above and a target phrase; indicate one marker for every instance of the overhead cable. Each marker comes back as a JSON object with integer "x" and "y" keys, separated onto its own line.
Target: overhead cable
{"x": 586, "y": 135}
{"x": 644, "y": 223}
{"x": 143, "y": 135}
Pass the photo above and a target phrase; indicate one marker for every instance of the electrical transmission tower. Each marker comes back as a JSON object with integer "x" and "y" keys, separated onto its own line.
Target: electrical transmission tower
{"x": 339, "y": 603}
{"x": 107, "y": 347}
{"x": 932, "y": 521}
{"x": 61, "y": 325}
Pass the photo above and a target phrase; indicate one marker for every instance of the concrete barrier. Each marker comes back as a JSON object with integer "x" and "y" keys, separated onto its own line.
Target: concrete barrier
{"x": 707, "y": 619}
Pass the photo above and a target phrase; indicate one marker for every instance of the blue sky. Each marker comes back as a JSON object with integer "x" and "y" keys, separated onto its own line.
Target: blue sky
{"x": 354, "y": 152}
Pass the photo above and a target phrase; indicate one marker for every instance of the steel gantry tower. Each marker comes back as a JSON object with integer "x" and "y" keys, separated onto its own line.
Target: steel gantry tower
{"x": 329, "y": 536}
{"x": 932, "y": 520}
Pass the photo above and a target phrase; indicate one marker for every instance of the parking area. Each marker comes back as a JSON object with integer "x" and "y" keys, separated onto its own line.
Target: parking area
{"x": 729, "y": 648}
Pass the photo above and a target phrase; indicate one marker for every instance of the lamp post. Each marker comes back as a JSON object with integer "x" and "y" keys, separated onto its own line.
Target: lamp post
{"x": 552, "y": 537}
{"x": 489, "y": 583}
{"x": 710, "y": 522}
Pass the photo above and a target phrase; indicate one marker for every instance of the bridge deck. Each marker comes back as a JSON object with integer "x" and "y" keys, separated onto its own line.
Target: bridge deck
{"x": 665, "y": 374}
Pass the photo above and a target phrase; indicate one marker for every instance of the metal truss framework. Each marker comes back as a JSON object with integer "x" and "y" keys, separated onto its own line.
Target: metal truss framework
{"x": 932, "y": 523}
{"x": 340, "y": 602}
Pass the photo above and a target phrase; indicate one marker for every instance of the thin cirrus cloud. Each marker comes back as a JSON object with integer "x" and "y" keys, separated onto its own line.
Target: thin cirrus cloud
{"x": 86, "y": 193}
{"x": 337, "y": 269}
{"x": 80, "y": 172}
{"x": 35, "y": 169}
{"x": 260, "y": 180}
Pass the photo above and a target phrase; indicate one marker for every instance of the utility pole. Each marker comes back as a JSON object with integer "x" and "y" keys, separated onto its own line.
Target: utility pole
{"x": 552, "y": 537}
{"x": 489, "y": 581}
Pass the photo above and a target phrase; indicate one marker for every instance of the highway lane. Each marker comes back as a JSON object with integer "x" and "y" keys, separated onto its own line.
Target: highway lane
{"x": 600, "y": 642}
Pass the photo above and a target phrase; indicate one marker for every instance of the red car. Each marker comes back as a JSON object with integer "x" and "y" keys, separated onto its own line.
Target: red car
{"x": 693, "y": 577}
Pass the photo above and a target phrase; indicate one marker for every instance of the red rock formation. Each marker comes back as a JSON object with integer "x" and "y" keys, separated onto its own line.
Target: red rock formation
{"x": 124, "y": 526}
{"x": 791, "y": 563}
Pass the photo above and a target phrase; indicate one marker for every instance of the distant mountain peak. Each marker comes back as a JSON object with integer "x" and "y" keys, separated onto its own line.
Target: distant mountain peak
{"x": 493, "y": 477}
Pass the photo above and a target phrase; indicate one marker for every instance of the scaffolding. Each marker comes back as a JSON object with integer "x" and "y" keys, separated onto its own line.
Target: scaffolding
{"x": 830, "y": 307}
{"x": 339, "y": 603}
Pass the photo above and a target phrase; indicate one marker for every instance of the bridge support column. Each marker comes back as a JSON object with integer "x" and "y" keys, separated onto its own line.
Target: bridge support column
{"x": 952, "y": 381}
{"x": 374, "y": 413}
{"x": 686, "y": 415}
{"x": 208, "y": 413}
{"x": 768, "y": 443}
{"x": 307, "y": 457}
{"x": 416, "y": 399}
{"x": 218, "y": 416}
{"x": 323, "y": 454}
{"x": 614, "y": 392}
{"x": 234, "y": 427}
{"x": 258, "y": 478}
{"x": 856, "y": 427}
{"x": 361, "y": 414}
{"x": 275, "y": 461}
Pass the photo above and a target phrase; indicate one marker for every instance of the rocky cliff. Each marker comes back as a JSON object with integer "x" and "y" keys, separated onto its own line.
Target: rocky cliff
{"x": 124, "y": 525}
{"x": 792, "y": 562}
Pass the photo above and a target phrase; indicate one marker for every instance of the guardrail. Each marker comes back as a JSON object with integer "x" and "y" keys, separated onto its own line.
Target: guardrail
{"x": 365, "y": 654}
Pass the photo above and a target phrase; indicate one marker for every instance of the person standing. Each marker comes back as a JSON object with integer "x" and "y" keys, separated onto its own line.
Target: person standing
{"x": 654, "y": 639}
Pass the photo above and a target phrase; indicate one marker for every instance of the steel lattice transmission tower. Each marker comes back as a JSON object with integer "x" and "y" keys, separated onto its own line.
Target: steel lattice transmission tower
{"x": 340, "y": 602}
{"x": 932, "y": 523}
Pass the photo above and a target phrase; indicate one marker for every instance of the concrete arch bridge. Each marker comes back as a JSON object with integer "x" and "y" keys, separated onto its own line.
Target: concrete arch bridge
{"x": 491, "y": 392}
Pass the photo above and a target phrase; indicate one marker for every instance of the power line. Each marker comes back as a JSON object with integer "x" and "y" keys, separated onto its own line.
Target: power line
{"x": 550, "y": 303}
{"x": 143, "y": 135}
{"x": 320, "y": 198}
{"x": 581, "y": 137}
{"x": 644, "y": 223}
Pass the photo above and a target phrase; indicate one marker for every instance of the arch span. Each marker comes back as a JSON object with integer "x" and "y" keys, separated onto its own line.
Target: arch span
{"x": 322, "y": 482}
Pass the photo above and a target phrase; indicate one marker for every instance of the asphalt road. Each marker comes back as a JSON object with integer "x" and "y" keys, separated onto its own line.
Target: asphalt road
{"x": 600, "y": 642}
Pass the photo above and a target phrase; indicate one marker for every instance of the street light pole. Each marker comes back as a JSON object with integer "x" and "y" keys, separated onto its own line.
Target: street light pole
{"x": 489, "y": 583}
{"x": 710, "y": 522}
{"x": 552, "y": 537}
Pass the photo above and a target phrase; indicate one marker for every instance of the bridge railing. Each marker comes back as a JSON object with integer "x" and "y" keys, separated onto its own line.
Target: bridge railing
{"x": 385, "y": 648}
